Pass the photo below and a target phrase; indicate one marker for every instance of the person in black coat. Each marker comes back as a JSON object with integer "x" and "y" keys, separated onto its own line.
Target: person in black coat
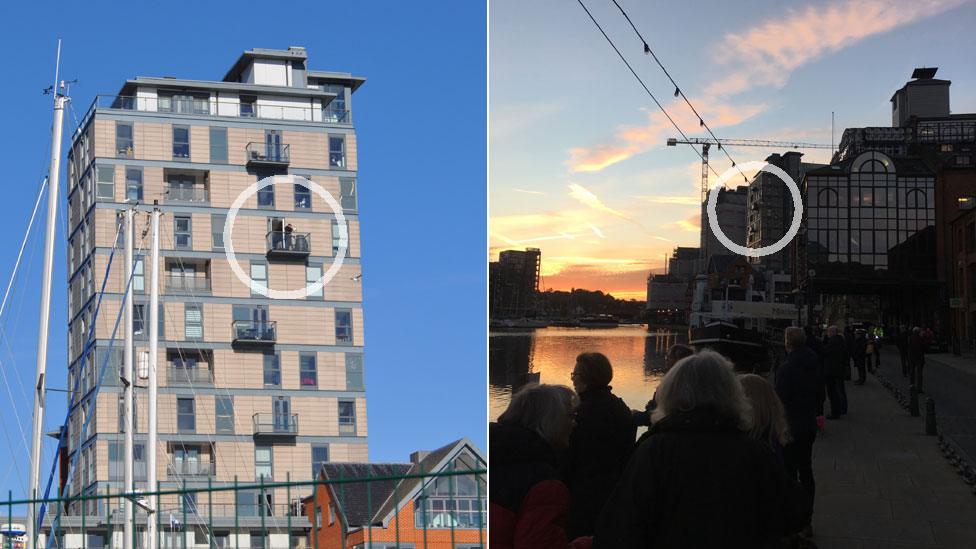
{"x": 796, "y": 385}
{"x": 916, "y": 357}
{"x": 837, "y": 363}
{"x": 902, "y": 339}
{"x": 600, "y": 444}
{"x": 696, "y": 479}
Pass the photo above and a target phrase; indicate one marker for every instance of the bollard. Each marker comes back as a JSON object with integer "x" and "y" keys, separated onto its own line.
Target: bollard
{"x": 913, "y": 402}
{"x": 930, "y": 428}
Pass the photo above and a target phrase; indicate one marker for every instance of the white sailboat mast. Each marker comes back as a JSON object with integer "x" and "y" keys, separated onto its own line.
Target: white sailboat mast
{"x": 153, "y": 389}
{"x": 54, "y": 177}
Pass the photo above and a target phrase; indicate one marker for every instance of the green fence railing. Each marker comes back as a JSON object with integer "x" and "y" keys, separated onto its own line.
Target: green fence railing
{"x": 446, "y": 509}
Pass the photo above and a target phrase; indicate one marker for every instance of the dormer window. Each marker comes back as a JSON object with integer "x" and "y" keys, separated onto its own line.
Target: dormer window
{"x": 248, "y": 106}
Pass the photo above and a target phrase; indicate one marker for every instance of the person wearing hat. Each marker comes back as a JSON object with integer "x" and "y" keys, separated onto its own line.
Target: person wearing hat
{"x": 600, "y": 444}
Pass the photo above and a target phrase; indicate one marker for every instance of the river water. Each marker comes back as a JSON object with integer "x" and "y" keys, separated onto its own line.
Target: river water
{"x": 636, "y": 354}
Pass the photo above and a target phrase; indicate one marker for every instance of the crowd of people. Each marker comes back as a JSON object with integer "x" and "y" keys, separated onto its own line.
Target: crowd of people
{"x": 727, "y": 460}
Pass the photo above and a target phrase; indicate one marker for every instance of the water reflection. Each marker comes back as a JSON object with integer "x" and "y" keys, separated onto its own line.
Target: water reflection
{"x": 636, "y": 354}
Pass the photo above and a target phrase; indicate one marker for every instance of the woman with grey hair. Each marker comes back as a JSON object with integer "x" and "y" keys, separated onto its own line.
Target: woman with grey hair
{"x": 528, "y": 503}
{"x": 697, "y": 479}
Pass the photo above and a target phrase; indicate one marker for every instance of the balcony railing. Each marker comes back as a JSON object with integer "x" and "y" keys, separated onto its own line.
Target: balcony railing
{"x": 275, "y": 424}
{"x": 288, "y": 244}
{"x": 189, "y": 376}
{"x": 251, "y": 332}
{"x": 182, "y": 469}
{"x": 219, "y": 108}
{"x": 187, "y": 194}
{"x": 259, "y": 153}
{"x": 187, "y": 284}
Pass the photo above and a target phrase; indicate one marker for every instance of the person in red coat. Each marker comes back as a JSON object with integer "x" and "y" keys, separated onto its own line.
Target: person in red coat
{"x": 528, "y": 503}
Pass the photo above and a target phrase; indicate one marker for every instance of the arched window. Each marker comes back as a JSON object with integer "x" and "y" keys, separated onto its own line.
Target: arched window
{"x": 916, "y": 199}
{"x": 873, "y": 162}
{"x": 827, "y": 197}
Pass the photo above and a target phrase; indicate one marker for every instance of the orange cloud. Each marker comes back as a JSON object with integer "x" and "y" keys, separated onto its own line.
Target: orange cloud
{"x": 692, "y": 223}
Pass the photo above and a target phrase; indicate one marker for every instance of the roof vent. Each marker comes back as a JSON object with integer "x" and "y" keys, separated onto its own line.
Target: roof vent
{"x": 418, "y": 456}
{"x": 924, "y": 73}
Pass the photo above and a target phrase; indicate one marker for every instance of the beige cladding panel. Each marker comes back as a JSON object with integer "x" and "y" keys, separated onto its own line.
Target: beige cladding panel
{"x": 104, "y": 138}
{"x": 153, "y": 186}
{"x": 234, "y": 459}
{"x": 301, "y": 325}
{"x": 153, "y": 141}
{"x": 352, "y": 161}
{"x": 361, "y": 416}
{"x": 237, "y": 369}
{"x": 348, "y": 452}
{"x": 358, "y": 335}
{"x": 317, "y": 416}
{"x": 200, "y": 144}
{"x": 307, "y": 149}
{"x": 223, "y": 281}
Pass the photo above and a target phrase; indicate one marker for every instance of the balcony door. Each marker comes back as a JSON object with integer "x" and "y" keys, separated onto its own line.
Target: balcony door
{"x": 282, "y": 414}
{"x": 182, "y": 276}
{"x": 187, "y": 460}
{"x": 272, "y": 145}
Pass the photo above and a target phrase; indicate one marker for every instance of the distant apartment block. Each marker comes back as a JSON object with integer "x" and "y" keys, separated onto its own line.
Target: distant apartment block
{"x": 251, "y": 388}
{"x": 514, "y": 283}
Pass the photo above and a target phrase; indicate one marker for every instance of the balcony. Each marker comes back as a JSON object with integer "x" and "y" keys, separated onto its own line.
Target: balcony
{"x": 188, "y": 285}
{"x": 275, "y": 424}
{"x": 219, "y": 108}
{"x": 187, "y": 195}
{"x": 263, "y": 154}
{"x": 288, "y": 244}
{"x": 189, "y": 469}
{"x": 249, "y": 332}
{"x": 336, "y": 116}
{"x": 188, "y": 376}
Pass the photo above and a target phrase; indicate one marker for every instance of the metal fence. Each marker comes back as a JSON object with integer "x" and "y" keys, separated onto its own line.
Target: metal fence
{"x": 409, "y": 511}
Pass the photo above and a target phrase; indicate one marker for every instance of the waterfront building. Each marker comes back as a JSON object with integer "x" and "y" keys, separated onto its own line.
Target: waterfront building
{"x": 769, "y": 210}
{"x": 923, "y": 130}
{"x": 730, "y": 212}
{"x": 250, "y": 388}
{"x": 685, "y": 262}
{"x": 435, "y": 511}
{"x": 514, "y": 283}
{"x": 963, "y": 301}
{"x": 668, "y": 298}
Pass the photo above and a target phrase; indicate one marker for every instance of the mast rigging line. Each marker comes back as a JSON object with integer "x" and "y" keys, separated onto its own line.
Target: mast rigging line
{"x": 643, "y": 85}
{"x": 677, "y": 89}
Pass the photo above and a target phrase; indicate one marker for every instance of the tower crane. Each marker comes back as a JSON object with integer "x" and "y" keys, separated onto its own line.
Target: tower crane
{"x": 706, "y": 144}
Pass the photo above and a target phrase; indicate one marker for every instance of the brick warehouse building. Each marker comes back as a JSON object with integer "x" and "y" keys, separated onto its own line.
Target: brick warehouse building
{"x": 251, "y": 388}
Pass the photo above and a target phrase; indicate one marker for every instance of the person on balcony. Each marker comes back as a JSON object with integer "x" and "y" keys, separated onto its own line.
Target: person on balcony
{"x": 289, "y": 242}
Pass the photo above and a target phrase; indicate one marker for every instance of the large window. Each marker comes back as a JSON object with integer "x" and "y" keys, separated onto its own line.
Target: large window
{"x": 266, "y": 195}
{"x": 343, "y": 327}
{"x": 186, "y": 421}
{"x": 181, "y": 142}
{"x": 224, "y": 412}
{"x": 217, "y": 230}
{"x": 106, "y": 183}
{"x": 307, "y": 371}
{"x": 337, "y": 238}
{"x": 354, "y": 372}
{"x": 336, "y": 111}
{"x": 218, "y": 145}
{"x": 347, "y": 417}
{"x": 193, "y": 321}
{"x": 259, "y": 274}
{"x": 123, "y": 140}
{"x": 337, "y": 151}
{"x": 453, "y": 501}
{"x": 347, "y": 193}
{"x": 312, "y": 274}
{"x": 272, "y": 370}
{"x": 183, "y": 232}
{"x": 135, "y": 413}
{"x": 139, "y": 275}
{"x": 320, "y": 456}
{"x": 116, "y": 462}
{"x": 263, "y": 464}
{"x": 133, "y": 184}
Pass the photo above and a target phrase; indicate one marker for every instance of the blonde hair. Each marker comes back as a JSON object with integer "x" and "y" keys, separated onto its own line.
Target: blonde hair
{"x": 703, "y": 380}
{"x": 768, "y": 416}
{"x": 542, "y": 409}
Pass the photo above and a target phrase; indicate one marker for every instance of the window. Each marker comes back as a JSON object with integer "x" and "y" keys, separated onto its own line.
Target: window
{"x": 354, "y": 372}
{"x": 320, "y": 456}
{"x": 183, "y": 232}
{"x": 189, "y": 502}
{"x": 262, "y": 462}
{"x": 186, "y": 421}
{"x": 272, "y": 370}
{"x": 336, "y": 238}
{"x": 181, "y": 142}
{"x": 343, "y": 327}
{"x": 259, "y": 273}
{"x": 139, "y": 275}
{"x": 332, "y": 513}
{"x": 266, "y": 197}
{"x": 336, "y": 111}
{"x": 318, "y": 517}
{"x": 193, "y": 321}
{"x": 312, "y": 274}
{"x": 133, "y": 184}
{"x": 224, "y": 413}
{"x": 123, "y": 140}
{"x": 217, "y": 230}
{"x": 218, "y": 145}
{"x": 308, "y": 375}
{"x": 135, "y": 412}
{"x": 105, "y": 188}
{"x": 139, "y": 311}
{"x": 347, "y": 417}
{"x": 337, "y": 152}
{"x": 116, "y": 464}
{"x": 303, "y": 197}
{"x": 456, "y": 501}
{"x": 347, "y": 194}
{"x": 248, "y": 109}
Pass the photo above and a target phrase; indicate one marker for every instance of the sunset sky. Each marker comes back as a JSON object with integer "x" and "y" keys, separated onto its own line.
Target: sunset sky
{"x": 578, "y": 162}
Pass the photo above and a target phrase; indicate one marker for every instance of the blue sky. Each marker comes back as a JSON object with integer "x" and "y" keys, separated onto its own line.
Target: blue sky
{"x": 423, "y": 224}
{"x": 578, "y": 165}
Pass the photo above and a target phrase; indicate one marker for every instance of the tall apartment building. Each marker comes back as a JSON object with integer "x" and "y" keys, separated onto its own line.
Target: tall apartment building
{"x": 514, "y": 283}
{"x": 730, "y": 211}
{"x": 250, "y": 388}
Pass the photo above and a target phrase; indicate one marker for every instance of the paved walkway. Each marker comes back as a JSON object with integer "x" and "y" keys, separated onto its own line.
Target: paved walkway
{"x": 881, "y": 483}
